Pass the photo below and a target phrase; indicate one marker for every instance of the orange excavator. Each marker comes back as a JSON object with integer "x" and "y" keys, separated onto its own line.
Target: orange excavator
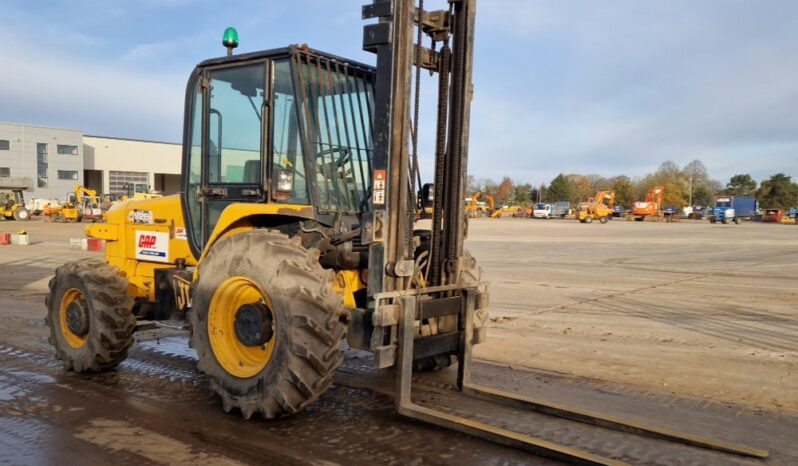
{"x": 651, "y": 207}
{"x": 473, "y": 208}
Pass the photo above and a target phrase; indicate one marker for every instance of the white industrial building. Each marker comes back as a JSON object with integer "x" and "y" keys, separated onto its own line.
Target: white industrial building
{"x": 51, "y": 161}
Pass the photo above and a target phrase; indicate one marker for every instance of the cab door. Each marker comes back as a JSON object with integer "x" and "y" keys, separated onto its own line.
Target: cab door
{"x": 226, "y": 157}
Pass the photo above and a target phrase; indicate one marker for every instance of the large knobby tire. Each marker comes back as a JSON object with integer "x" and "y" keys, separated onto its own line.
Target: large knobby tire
{"x": 308, "y": 327}
{"x": 99, "y": 292}
{"x": 22, "y": 214}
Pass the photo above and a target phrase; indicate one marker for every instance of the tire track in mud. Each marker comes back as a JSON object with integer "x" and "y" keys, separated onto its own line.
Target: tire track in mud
{"x": 346, "y": 426}
{"x": 161, "y": 371}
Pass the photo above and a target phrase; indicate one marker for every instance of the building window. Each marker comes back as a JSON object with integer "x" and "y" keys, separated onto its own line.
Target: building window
{"x": 5, "y": 145}
{"x": 67, "y": 175}
{"x": 67, "y": 150}
{"x": 5, "y": 172}
{"x": 120, "y": 182}
{"x": 41, "y": 159}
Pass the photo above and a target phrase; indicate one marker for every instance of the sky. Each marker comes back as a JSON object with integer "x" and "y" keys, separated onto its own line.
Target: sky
{"x": 602, "y": 87}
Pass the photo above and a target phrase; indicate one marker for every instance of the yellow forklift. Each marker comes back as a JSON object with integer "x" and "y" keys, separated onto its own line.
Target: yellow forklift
{"x": 294, "y": 233}
{"x": 12, "y": 203}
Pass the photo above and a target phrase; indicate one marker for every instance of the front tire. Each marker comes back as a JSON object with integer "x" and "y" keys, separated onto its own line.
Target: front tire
{"x": 89, "y": 314}
{"x": 293, "y": 365}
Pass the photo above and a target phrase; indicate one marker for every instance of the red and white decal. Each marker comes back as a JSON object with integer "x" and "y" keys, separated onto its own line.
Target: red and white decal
{"x": 152, "y": 246}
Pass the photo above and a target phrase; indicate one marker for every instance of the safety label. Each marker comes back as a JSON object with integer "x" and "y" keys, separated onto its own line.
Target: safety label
{"x": 378, "y": 197}
{"x": 180, "y": 233}
{"x": 152, "y": 246}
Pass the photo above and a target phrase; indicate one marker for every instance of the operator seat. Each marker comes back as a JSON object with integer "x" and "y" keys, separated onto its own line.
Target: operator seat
{"x": 252, "y": 172}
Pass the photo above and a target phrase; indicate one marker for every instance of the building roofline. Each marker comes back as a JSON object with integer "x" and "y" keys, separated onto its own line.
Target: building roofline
{"x": 131, "y": 139}
{"x": 40, "y": 126}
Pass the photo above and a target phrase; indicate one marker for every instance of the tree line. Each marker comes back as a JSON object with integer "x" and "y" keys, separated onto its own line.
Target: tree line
{"x": 688, "y": 185}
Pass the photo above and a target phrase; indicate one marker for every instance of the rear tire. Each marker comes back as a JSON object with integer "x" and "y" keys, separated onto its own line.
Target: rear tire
{"x": 737, "y": 220}
{"x": 603, "y": 220}
{"x": 309, "y": 324}
{"x": 99, "y": 293}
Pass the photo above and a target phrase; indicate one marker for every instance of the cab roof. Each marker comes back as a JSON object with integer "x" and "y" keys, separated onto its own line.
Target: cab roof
{"x": 283, "y": 52}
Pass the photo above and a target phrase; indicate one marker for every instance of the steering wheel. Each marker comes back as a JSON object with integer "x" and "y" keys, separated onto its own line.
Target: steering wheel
{"x": 346, "y": 155}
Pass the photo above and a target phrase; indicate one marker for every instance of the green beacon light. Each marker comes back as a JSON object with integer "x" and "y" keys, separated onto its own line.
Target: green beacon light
{"x": 230, "y": 39}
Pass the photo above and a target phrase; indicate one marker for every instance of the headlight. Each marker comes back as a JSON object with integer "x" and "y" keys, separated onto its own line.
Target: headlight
{"x": 284, "y": 183}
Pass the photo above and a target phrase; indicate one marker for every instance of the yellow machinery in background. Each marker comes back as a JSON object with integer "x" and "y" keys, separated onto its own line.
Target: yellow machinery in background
{"x": 12, "y": 204}
{"x": 596, "y": 209}
{"x": 81, "y": 204}
{"x": 138, "y": 192}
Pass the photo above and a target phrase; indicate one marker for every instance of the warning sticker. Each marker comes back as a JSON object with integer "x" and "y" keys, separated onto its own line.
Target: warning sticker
{"x": 152, "y": 246}
{"x": 180, "y": 233}
{"x": 379, "y": 187}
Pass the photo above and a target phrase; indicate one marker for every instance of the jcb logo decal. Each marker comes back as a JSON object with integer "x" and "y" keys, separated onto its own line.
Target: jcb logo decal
{"x": 147, "y": 241}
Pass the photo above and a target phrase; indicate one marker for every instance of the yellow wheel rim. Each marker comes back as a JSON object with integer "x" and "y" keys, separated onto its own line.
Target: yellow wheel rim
{"x": 74, "y": 340}
{"x": 236, "y": 358}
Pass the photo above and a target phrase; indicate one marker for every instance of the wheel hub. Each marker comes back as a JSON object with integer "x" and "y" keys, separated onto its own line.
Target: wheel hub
{"x": 253, "y": 324}
{"x": 77, "y": 318}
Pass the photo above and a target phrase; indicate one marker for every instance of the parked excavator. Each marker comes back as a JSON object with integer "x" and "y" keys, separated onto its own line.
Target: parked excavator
{"x": 651, "y": 208}
{"x": 475, "y": 208}
{"x": 596, "y": 209}
{"x": 294, "y": 234}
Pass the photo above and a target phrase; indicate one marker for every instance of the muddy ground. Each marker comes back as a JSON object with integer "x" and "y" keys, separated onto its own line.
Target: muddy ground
{"x": 688, "y": 325}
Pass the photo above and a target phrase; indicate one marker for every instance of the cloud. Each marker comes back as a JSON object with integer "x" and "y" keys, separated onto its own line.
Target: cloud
{"x": 619, "y": 87}
{"x": 578, "y": 86}
{"x": 100, "y": 98}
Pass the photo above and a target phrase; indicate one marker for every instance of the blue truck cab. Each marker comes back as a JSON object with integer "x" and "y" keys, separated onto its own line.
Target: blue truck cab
{"x": 733, "y": 209}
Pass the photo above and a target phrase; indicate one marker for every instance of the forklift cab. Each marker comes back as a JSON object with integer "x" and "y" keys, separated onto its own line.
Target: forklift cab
{"x": 289, "y": 126}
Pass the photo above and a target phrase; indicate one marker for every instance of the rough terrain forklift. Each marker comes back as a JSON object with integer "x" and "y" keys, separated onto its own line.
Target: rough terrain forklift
{"x": 12, "y": 203}
{"x": 295, "y": 232}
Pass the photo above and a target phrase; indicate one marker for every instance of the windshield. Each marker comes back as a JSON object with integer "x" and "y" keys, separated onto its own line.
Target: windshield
{"x": 336, "y": 103}
{"x": 540, "y": 206}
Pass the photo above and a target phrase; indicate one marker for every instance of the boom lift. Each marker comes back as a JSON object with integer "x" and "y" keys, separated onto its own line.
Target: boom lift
{"x": 294, "y": 232}
{"x": 651, "y": 207}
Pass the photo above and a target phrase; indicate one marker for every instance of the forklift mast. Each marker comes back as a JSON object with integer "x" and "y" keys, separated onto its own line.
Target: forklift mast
{"x": 389, "y": 226}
